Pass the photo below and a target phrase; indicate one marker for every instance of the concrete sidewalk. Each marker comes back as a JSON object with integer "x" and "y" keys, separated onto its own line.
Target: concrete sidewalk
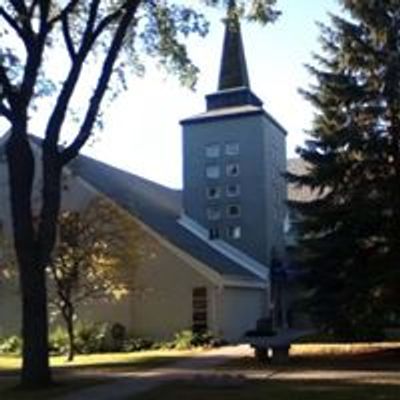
{"x": 128, "y": 384}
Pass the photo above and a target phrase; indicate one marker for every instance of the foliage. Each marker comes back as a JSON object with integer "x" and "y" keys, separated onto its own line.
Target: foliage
{"x": 139, "y": 344}
{"x": 349, "y": 230}
{"x": 90, "y": 338}
{"x": 72, "y": 50}
{"x": 188, "y": 339}
{"x": 95, "y": 258}
{"x": 10, "y": 344}
{"x": 59, "y": 341}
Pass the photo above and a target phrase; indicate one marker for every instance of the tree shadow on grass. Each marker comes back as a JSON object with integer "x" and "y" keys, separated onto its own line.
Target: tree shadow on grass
{"x": 276, "y": 389}
{"x": 374, "y": 360}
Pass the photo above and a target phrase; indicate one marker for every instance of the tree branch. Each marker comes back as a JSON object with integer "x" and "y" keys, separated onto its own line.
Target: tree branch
{"x": 7, "y": 87}
{"x": 20, "y": 7}
{"x": 57, "y": 117}
{"x": 32, "y": 7}
{"x": 23, "y": 14}
{"x": 65, "y": 11}
{"x": 105, "y": 22}
{"x": 67, "y": 38}
{"x": 6, "y": 112}
{"x": 73, "y": 149}
{"x": 44, "y": 6}
{"x": 12, "y": 23}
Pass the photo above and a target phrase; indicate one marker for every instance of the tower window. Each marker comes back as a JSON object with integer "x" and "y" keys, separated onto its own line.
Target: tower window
{"x": 213, "y": 233}
{"x": 213, "y": 171}
{"x": 232, "y": 169}
{"x": 233, "y": 210}
{"x": 232, "y": 149}
{"x": 233, "y": 190}
{"x": 234, "y": 232}
{"x": 213, "y": 150}
{"x": 213, "y": 192}
{"x": 213, "y": 213}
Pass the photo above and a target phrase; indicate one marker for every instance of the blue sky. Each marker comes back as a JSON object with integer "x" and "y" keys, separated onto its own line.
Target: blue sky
{"x": 142, "y": 133}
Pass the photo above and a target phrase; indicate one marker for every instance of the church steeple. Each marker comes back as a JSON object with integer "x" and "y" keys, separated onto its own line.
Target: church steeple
{"x": 233, "y": 84}
{"x": 233, "y": 73}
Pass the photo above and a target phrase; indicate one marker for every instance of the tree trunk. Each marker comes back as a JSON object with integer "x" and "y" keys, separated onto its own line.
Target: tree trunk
{"x": 69, "y": 315}
{"x": 35, "y": 366}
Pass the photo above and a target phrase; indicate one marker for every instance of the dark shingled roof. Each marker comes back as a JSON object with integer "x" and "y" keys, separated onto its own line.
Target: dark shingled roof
{"x": 158, "y": 207}
{"x": 233, "y": 71}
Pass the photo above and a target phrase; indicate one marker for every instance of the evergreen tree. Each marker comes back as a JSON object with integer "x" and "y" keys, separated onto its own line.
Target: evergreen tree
{"x": 350, "y": 230}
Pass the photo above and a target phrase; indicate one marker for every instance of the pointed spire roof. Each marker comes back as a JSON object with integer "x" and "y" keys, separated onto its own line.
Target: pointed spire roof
{"x": 233, "y": 86}
{"x": 233, "y": 72}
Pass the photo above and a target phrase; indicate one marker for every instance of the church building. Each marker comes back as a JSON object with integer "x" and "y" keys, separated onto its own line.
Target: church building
{"x": 215, "y": 240}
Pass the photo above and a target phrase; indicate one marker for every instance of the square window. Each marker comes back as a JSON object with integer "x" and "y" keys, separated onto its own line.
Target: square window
{"x": 233, "y": 190}
{"x": 232, "y": 169}
{"x": 213, "y": 150}
{"x": 213, "y": 192}
{"x": 233, "y": 210}
{"x": 234, "y": 232}
{"x": 213, "y": 171}
{"x": 213, "y": 213}
{"x": 232, "y": 149}
{"x": 213, "y": 233}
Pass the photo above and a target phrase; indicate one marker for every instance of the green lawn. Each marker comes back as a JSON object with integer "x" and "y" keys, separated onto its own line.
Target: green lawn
{"x": 229, "y": 382}
{"x": 380, "y": 358}
{"x": 69, "y": 376}
{"x": 65, "y": 384}
{"x": 108, "y": 361}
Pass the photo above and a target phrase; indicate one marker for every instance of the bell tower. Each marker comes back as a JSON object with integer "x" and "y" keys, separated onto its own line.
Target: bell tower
{"x": 234, "y": 157}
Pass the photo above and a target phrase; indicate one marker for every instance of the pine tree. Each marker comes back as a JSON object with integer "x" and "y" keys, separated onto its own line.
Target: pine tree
{"x": 350, "y": 230}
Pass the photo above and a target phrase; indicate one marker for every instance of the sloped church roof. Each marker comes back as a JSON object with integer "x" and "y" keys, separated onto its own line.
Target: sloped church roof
{"x": 158, "y": 207}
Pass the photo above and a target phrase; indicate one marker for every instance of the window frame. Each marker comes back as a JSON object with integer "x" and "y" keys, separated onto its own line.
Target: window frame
{"x": 230, "y": 166}
{"x": 229, "y": 214}
{"x": 213, "y": 213}
{"x": 234, "y": 232}
{"x": 230, "y": 193}
{"x": 232, "y": 149}
{"x": 214, "y": 167}
{"x": 212, "y": 150}
{"x": 217, "y": 191}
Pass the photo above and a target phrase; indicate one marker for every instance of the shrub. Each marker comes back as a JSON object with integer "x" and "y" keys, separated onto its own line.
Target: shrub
{"x": 187, "y": 339}
{"x": 11, "y": 344}
{"x": 183, "y": 340}
{"x": 137, "y": 344}
{"x": 58, "y": 341}
{"x": 91, "y": 338}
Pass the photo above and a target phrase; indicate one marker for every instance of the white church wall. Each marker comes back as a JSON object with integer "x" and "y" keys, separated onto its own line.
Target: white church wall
{"x": 240, "y": 309}
{"x": 163, "y": 303}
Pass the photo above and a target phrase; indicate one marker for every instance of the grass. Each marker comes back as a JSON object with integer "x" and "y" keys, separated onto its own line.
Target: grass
{"x": 241, "y": 379}
{"x": 9, "y": 389}
{"x": 273, "y": 389}
{"x": 84, "y": 371}
{"x": 108, "y": 361}
{"x": 247, "y": 379}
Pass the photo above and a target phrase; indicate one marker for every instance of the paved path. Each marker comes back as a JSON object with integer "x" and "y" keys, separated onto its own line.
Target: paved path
{"x": 128, "y": 384}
